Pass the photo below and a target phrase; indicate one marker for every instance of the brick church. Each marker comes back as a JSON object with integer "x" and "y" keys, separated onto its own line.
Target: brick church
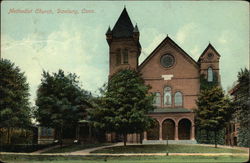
{"x": 173, "y": 75}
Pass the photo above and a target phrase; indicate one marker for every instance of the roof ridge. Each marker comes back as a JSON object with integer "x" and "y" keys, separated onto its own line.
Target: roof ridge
{"x": 171, "y": 41}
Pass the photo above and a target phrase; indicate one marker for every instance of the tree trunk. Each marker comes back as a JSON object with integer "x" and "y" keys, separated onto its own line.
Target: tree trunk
{"x": 90, "y": 133}
{"x": 248, "y": 154}
{"x": 8, "y": 135}
{"x": 207, "y": 132}
{"x": 125, "y": 139}
{"x": 215, "y": 138}
{"x": 61, "y": 143}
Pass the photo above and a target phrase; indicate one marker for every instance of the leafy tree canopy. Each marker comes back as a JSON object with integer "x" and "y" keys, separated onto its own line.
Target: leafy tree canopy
{"x": 204, "y": 84}
{"x": 214, "y": 110}
{"x": 124, "y": 105}
{"x": 60, "y": 100}
{"x": 14, "y": 96}
{"x": 242, "y": 105}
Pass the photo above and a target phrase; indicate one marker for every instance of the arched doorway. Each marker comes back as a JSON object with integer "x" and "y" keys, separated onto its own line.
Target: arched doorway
{"x": 168, "y": 129}
{"x": 153, "y": 132}
{"x": 184, "y": 129}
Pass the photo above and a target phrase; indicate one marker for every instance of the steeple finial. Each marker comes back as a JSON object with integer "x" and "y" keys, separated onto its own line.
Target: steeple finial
{"x": 109, "y": 31}
{"x": 136, "y": 29}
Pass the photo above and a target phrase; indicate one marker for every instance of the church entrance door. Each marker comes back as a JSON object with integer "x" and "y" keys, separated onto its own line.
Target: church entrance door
{"x": 168, "y": 129}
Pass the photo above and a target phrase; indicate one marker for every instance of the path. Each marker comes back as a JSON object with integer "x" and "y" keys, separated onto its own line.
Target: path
{"x": 126, "y": 154}
{"x": 223, "y": 146}
{"x": 87, "y": 152}
{"x": 47, "y": 149}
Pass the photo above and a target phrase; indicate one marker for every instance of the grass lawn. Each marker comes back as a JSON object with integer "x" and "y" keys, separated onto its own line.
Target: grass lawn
{"x": 171, "y": 148}
{"x": 75, "y": 147}
{"x": 102, "y": 159}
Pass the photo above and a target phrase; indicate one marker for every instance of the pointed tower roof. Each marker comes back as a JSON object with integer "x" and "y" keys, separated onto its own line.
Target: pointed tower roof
{"x": 136, "y": 30}
{"x": 123, "y": 27}
{"x": 109, "y": 31}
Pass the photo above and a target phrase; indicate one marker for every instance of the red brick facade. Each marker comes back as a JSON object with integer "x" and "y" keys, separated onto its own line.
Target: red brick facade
{"x": 182, "y": 76}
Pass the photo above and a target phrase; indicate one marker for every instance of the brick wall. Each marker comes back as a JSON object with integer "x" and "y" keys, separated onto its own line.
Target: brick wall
{"x": 185, "y": 75}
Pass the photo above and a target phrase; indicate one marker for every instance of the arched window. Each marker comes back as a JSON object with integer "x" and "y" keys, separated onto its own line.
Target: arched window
{"x": 178, "y": 99}
{"x": 167, "y": 96}
{"x": 157, "y": 99}
{"x": 118, "y": 57}
{"x": 125, "y": 55}
{"x": 209, "y": 74}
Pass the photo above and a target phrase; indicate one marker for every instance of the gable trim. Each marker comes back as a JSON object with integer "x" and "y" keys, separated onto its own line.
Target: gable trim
{"x": 204, "y": 52}
{"x": 175, "y": 45}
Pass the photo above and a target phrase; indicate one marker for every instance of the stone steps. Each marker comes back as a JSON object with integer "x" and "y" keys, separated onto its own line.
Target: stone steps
{"x": 169, "y": 142}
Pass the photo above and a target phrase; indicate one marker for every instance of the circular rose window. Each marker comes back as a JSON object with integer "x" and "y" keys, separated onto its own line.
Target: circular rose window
{"x": 167, "y": 60}
{"x": 210, "y": 56}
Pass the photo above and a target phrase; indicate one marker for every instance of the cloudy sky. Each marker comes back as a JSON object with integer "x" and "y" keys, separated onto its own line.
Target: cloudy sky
{"x": 75, "y": 41}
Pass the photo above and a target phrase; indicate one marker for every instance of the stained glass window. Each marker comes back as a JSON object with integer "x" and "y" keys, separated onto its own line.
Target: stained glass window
{"x": 167, "y": 60}
{"x": 167, "y": 96}
{"x": 209, "y": 74}
{"x": 157, "y": 99}
{"x": 178, "y": 99}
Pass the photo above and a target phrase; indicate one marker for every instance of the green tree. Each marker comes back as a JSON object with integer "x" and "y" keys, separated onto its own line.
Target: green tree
{"x": 202, "y": 135}
{"x": 214, "y": 110}
{"x": 242, "y": 103}
{"x": 204, "y": 84}
{"x": 123, "y": 108}
{"x": 61, "y": 102}
{"x": 14, "y": 98}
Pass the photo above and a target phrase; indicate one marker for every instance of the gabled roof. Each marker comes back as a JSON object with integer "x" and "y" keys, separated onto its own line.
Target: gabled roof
{"x": 208, "y": 47}
{"x": 168, "y": 39}
{"x": 123, "y": 27}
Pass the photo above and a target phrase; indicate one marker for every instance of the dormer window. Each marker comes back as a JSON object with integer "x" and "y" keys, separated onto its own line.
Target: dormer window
{"x": 209, "y": 74}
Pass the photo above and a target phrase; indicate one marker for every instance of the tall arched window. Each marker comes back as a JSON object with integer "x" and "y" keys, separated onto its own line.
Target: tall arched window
{"x": 125, "y": 55}
{"x": 118, "y": 57}
{"x": 157, "y": 99}
{"x": 167, "y": 96}
{"x": 209, "y": 74}
{"x": 178, "y": 99}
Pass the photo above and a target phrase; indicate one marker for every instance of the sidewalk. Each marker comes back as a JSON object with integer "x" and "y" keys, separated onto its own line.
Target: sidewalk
{"x": 87, "y": 152}
{"x": 223, "y": 146}
{"x": 47, "y": 149}
{"x": 126, "y": 154}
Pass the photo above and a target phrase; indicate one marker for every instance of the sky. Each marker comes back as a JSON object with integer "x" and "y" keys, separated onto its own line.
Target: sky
{"x": 71, "y": 35}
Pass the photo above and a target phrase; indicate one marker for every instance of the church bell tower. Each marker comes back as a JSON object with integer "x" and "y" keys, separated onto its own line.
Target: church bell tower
{"x": 124, "y": 45}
